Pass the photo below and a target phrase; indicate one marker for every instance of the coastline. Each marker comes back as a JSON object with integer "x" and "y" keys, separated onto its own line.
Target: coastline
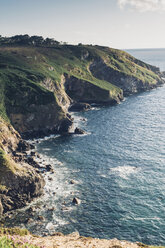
{"x": 45, "y": 168}
{"x": 47, "y": 174}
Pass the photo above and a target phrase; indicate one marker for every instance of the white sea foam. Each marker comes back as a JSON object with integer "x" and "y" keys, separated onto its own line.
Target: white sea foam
{"x": 59, "y": 221}
{"x": 38, "y": 140}
{"x": 81, "y": 135}
{"x": 95, "y": 108}
{"x": 147, "y": 218}
{"x": 50, "y": 226}
{"x": 124, "y": 171}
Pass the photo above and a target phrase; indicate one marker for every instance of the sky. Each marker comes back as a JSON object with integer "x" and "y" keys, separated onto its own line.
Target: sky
{"x": 123, "y": 24}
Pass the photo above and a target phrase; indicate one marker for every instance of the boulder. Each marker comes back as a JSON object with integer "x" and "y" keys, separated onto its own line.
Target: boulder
{"x": 72, "y": 181}
{"x": 76, "y": 201}
{"x": 65, "y": 125}
{"x": 41, "y": 218}
{"x": 33, "y": 153}
{"x": 49, "y": 167}
{"x": 32, "y": 162}
{"x": 24, "y": 146}
{"x": 79, "y": 131}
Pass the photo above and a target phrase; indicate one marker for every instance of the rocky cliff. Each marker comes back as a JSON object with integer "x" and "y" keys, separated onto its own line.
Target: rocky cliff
{"x": 39, "y": 80}
{"x": 19, "y": 183}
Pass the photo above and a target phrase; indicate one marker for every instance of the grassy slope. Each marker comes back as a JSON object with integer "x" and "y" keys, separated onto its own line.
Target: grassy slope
{"x": 122, "y": 62}
{"x": 23, "y": 68}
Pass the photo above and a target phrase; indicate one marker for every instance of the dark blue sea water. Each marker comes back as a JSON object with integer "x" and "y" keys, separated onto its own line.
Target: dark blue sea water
{"x": 118, "y": 168}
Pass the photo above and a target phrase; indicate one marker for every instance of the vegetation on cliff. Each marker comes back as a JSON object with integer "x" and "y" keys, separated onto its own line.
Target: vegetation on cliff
{"x": 37, "y": 72}
{"x": 21, "y": 238}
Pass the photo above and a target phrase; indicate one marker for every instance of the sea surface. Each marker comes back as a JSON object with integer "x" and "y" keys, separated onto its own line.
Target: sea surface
{"x": 117, "y": 170}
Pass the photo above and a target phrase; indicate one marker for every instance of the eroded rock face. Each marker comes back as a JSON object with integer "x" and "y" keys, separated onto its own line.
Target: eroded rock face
{"x": 19, "y": 182}
{"x": 63, "y": 99}
{"x": 9, "y": 137}
{"x": 129, "y": 84}
{"x": 21, "y": 187}
{"x": 41, "y": 121}
{"x": 82, "y": 91}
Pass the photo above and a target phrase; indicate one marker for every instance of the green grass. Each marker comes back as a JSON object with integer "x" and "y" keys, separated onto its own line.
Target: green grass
{"x": 15, "y": 242}
{"x": 16, "y": 238}
{"x": 14, "y": 231}
{"x": 22, "y": 69}
{"x": 7, "y": 166}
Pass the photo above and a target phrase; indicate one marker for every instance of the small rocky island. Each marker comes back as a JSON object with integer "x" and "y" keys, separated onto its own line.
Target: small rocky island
{"x": 41, "y": 81}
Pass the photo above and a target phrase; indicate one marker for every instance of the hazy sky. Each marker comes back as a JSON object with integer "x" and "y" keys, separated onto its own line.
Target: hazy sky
{"x": 114, "y": 23}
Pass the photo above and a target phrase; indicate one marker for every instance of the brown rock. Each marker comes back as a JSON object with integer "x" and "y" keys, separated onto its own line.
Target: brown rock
{"x": 76, "y": 201}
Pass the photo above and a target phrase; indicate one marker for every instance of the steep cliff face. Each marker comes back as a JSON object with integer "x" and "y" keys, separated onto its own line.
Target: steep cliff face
{"x": 130, "y": 83}
{"x": 38, "y": 83}
{"x": 35, "y": 108}
{"x": 19, "y": 183}
{"x": 9, "y": 137}
{"x": 41, "y": 120}
{"x": 83, "y": 91}
{"x": 59, "y": 90}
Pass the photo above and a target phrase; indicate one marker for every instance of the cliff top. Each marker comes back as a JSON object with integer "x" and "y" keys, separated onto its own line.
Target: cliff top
{"x": 20, "y": 237}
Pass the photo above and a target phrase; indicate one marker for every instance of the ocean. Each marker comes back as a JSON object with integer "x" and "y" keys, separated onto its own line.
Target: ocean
{"x": 117, "y": 170}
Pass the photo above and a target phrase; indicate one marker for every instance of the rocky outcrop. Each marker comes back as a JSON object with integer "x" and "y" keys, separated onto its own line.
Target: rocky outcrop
{"x": 58, "y": 89}
{"x": 40, "y": 120}
{"x": 20, "y": 187}
{"x": 19, "y": 182}
{"x": 83, "y": 91}
{"x": 129, "y": 83}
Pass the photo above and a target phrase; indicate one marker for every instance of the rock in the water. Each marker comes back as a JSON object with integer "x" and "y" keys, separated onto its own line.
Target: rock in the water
{"x": 76, "y": 201}
{"x": 32, "y": 162}
{"x": 66, "y": 125}
{"x": 72, "y": 181}
{"x": 79, "y": 131}
{"x": 51, "y": 209}
{"x": 24, "y": 146}
{"x": 33, "y": 153}
{"x": 78, "y": 106}
{"x": 49, "y": 167}
{"x": 41, "y": 218}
